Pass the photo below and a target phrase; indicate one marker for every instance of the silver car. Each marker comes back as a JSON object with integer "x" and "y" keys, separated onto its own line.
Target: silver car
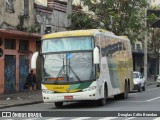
{"x": 158, "y": 80}
{"x": 139, "y": 81}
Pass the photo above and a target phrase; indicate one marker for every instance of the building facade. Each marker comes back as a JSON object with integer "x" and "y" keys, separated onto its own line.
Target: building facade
{"x": 51, "y": 17}
{"x": 16, "y": 14}
{"x": 17, "y": 43}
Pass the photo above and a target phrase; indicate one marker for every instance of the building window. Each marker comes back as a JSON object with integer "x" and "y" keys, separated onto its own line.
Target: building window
{"x": 133, "y": 46}
{"x": 138, "y": 47}
{"x": 26, "y": 8}
{"x": 9, "y": 5}
{"x": 10, "y": 44}
{"x": 23, "y": 45}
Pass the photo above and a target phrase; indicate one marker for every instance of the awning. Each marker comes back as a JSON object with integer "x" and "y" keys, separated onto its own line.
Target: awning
{"x": 20, "y": 33}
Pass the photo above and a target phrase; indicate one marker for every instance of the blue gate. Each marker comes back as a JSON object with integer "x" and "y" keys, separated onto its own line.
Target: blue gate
{"x": 23, "y": 70}
{"x": 10, "y": 74}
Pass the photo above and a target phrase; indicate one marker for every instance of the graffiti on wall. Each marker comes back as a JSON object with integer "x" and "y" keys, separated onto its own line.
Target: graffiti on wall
{"x": 23, "y": 70}
{"x": 10, "y": 76}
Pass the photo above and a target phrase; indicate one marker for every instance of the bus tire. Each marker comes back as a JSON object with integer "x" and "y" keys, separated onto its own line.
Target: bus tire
{"x": 58, "y": 104}
{"x": 117, "y": 97}
{"x": 125, "y": 94}
{"x": 102, "y": 102}
{"x": 129, "y": 86}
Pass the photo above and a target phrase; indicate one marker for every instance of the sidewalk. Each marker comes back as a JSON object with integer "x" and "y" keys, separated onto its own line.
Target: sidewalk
{"x": 26, "y": 98}
{"x": 20, "y": 98}
{"x": 150, "y": 81}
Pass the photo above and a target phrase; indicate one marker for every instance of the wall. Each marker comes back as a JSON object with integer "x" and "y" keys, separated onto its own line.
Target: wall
{"x": 54, "y": 16}
{"x": 10, "y": 19}
{"x": 32, "y": 48}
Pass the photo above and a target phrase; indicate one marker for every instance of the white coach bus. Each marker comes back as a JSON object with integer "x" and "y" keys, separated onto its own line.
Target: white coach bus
{"x": 85, "y": 65}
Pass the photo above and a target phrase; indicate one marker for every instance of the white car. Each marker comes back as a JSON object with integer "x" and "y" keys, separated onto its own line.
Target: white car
{"x": 139, "y": 81}
{"x": 158, "y": 80}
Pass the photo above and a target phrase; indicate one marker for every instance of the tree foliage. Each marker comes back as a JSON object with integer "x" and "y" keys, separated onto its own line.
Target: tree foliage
{"x": 82, "y": 20}
{"x": 154, "y": 42}
{"x": 154, "y": 35}
{"x": 123, "y": 17}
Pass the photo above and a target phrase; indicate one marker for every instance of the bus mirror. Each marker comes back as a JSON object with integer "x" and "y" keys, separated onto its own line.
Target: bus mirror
{"x": 34, "y": 59}
{"x": 96, "y": 55}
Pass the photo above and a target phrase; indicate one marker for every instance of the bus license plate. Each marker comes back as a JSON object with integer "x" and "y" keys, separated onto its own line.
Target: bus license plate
{"x": 68, "y": 97}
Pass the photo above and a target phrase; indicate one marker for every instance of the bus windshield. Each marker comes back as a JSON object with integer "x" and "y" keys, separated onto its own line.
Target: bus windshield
{"x": 67, "y": 60}
{"x": 68, "y": 67}
{"x": 67, "y": 44}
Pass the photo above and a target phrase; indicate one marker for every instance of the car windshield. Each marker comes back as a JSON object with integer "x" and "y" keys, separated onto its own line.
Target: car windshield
{"x": 135, "y": 75}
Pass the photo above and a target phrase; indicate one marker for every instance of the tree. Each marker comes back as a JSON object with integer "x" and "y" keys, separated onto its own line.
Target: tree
{"x": 82, "y": 20}
{"x": 127, "y": 17}
{"x": 154, "y": 32}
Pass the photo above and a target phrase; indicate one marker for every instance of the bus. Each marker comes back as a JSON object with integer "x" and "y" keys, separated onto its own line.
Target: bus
{"x": 85, "y": 65}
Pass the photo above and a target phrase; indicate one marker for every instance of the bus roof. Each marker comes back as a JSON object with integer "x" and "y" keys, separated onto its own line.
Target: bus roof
{"x": 89, "y": 32}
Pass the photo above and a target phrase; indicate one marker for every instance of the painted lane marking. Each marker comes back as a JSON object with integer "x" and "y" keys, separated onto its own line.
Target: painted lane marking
{"x": 139, "y": 101}
{"x": 129, "y": 118}
{"x": 152, "y": 99}
{"x": 54, "y": 118}
{"x": 158, "y": 118}
{"x": 81, "y": 118}
{"x": 108, "y": 118}
{"x": 31, "y": 119}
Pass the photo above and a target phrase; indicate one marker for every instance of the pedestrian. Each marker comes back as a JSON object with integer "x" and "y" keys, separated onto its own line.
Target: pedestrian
{"x": 141, "y": 70}
{"x": 34, "y": 82}
{"x": 31, "y": 80}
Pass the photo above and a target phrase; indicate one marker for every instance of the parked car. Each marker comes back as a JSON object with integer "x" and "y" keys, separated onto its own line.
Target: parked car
{"x": 139, "y": 81}
{"x": 158, "y": 80}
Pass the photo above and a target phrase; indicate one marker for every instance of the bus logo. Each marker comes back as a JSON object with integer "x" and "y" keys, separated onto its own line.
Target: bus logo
{"x": 67, "y": 90}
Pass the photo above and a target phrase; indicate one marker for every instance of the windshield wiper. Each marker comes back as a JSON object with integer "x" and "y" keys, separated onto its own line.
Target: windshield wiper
{"x": 62, "y": 71}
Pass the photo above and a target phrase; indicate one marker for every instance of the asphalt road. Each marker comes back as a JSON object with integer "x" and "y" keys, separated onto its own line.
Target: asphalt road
{"x": 148, "y": 100}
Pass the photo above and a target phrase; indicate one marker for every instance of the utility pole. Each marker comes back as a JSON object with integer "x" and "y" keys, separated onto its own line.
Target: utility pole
{"x": 54, "y": 20}
{"x": 69, "y": 11}
{"x": 159, "y": 61}
{"x": 145, "y": 46}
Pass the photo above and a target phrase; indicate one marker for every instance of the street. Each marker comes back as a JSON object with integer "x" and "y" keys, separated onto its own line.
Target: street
{"x": 138, "y": 101}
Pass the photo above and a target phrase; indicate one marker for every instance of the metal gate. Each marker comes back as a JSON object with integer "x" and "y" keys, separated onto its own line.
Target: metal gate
{"x": 10, "y": 74}
{"x": 23, "y": 70}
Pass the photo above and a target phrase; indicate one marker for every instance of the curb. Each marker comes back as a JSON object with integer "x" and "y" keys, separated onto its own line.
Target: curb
{"x": 22, "y": 104}
{"x": 154, "y": 83}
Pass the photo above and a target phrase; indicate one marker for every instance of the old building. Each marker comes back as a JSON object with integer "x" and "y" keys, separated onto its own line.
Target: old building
{"x": 16, "y": 14}
{"x": 18, "y": 43}
{"x": 51, "y": 16}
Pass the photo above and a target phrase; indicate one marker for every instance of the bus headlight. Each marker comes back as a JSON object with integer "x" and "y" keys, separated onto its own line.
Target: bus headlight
{"x": 47, "y": 91}
{"x": 89, "y": 88}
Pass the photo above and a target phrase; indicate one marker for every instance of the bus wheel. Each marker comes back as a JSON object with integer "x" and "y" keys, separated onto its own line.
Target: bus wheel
{"x": 117, "y": 97}
{"x": 102, "y": 101}
{"x": 58, "y": 104}
{"x": 125, "y": 94}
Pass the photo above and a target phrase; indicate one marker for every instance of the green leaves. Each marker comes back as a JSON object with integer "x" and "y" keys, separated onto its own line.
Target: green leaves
{"x": 123, "y": 17}
{"x": 81, "y": 20}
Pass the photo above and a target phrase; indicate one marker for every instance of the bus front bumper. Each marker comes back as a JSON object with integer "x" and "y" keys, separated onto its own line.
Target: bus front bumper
{"x": 69, "y": 97}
